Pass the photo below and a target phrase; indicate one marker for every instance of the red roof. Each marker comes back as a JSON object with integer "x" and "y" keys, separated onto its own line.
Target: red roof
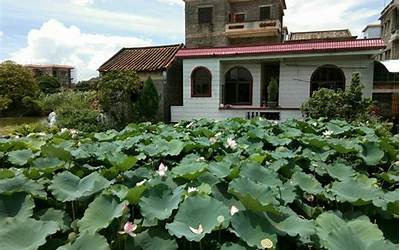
{"x": 143, "y": 59}
{"x": 285, "y": 48}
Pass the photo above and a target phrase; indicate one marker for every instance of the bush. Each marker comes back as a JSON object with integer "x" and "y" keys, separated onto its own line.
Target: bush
{"x": 347, "y": 105}
{"x": 16, "y": 83}
{"x": 49, "y": 84}
{"x": 118, "y": 91}
{"x": 148, "y": 102}
{"x": 74, "y": 110}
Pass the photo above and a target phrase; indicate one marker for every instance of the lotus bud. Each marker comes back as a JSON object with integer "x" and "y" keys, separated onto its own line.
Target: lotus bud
{"x": 198, "y": 230}
{"x": 162, "y": 170}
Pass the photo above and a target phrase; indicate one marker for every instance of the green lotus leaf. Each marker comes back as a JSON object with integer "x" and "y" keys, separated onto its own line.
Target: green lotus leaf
{"x": 20, "y": 157}
{"x": 197, "y": 211}
{"x": 159, "y": 201}
{"x": 189, "y": 171}
{"x": 175, "y": 148}
{"x": 154, "y": 238}
{"x": 69, "y": 187}
{"x": 371, "y": 153}
{"x": 307, "y": 183}
{"x": 288, "y": 193}
{"x": 134, "y": 194}
{"x": 48, "y": 164}
{"x": 49, "y": 150}
{"x": 106, "y": 136}
{"x": 340, "y": 171}
{"x": 337, "y": 130}
{"x": 254, "y": 196}
{"x": 253, "y": 228}
{"x": 260, "y": 174}
{"x": 58, "y": 216}
{"x": 220, "y": 169}
{"x": 6, "y": 173}
{"x": 361, "y": 193}
{"x": 122, "y": 161}
{"x": 87, "y": 241}
{"x": 344, "y": 146}
{"x": 233, "y": 246}
{"x": 25, "y": 234}
{"x": 21, "y": 184}
{"x": 100, "y": 213}
{"x": 18, "y": 205}
{"x": 292, "y": 225}
{"x": 277, "y": 141}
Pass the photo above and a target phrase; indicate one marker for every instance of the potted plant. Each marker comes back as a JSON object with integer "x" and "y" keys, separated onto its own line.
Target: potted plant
{"x": 273, "y": 93}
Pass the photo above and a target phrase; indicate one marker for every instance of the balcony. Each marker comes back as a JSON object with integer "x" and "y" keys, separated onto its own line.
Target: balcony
{"x": 253, "y": 29}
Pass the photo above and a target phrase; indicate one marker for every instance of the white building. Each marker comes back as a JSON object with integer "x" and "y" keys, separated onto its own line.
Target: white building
{"x": 372, "y": 31}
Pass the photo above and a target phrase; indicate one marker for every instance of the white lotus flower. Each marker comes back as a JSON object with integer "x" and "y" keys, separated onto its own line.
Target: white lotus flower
{"x": 218, "y": 134}
{"x": 234, "y": 210}
{"x": 189, "y": 125}
{"x": 231, "y": 143}
{"x": 162, "y": 170}
{"x": 192, "y": 189}
{"x": 141, "y": 183}
{"x": 198, "y": 230}
{"x": 129, "y": 228}
{"x": 201, "y": 159}
{"x": 327, "y": 133}
{"x": 213, "y": 140}
{"x": 64, "y": 130}
{"x": 267, "y": 243}
{"x": 314, "y": 124}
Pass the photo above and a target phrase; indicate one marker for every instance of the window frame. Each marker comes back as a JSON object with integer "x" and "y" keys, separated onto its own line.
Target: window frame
{"x": 192, "y": 80}
{"x": 239, "y": 14}
{"x": 312, "y": 81}
{"x": 270, "y": 12}
{"x": 210, "y": 21}
{"x": 237, "y": 83}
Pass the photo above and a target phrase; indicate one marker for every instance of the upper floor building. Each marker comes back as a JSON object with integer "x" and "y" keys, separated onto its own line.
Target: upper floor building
{"x": 219, "y": 23}
{"x": 63, "y": 73}
{"x": 390, "y": 30}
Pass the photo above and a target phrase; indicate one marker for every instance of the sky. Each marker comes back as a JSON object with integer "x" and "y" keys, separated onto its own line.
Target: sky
{"x": 85, "y": 33}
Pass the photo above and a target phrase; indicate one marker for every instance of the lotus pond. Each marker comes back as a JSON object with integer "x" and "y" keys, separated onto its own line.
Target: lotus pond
{"x": 230, "y": 185}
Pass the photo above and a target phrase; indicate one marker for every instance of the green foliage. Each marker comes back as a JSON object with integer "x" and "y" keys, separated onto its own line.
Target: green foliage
{"x": 16, "y": 85}
{"x": 273, "y": 90}
{"x": 347, "y": 105}
{"x": 74, "y": 110}
{"x": 118, "y": 91}
{"x": 48, "y": 84}
{"x": 294, "y": 185}
{"x": 148, "y": 101}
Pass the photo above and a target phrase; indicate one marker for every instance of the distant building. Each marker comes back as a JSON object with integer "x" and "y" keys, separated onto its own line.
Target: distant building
{"x": 372, "y": 31}
{"x": 390, "y": 30}
{"x": 62, "y": 72}
{"x": 322, "y": 35}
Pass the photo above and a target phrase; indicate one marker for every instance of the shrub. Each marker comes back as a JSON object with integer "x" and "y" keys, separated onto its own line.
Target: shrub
{"x": 118, "y": 91}
{"x": 16, "y": 83}
{"x": 49, "y": 84}
{"x": 273, "y": 90}
{"x": 348, "y": 105}
{"x": 148, "y": 102}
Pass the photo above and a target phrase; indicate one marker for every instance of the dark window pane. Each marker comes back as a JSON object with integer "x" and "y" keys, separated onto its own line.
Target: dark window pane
{"x": 238, "y": 83}
{"x": 201, "y": 82}
{"x": 239, "y": 18}
{"x": 205, "y": 15}
{"x": 243, "y": 93}
{"x": 330, "y": 77}
{"x": 265, "y": 12}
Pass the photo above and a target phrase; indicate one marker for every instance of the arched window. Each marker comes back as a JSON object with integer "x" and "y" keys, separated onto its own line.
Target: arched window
{"x": 328, "y": 76}
{"x": 238, "y": 86}
{"x": 201, "y": 82}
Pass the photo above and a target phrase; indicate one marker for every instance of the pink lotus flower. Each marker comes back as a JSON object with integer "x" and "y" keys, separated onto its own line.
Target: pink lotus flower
{"x": 129, "y": 228}
{"x": 162, "y": 170}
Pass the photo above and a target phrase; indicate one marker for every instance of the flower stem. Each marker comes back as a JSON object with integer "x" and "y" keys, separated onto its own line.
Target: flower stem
{"x": 73, "y": 210}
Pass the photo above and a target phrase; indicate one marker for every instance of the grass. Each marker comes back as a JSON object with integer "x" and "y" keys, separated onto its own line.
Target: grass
{"x": 9, "y": 124}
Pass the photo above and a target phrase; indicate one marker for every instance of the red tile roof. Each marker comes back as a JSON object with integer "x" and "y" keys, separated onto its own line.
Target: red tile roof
{"x": 144, "y": 59}
{"x": 285, "y": 48}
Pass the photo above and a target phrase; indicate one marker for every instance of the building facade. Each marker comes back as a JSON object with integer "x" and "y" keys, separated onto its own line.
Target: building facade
{"x": 390, "y": 30}
{"x": 63, "y": 73}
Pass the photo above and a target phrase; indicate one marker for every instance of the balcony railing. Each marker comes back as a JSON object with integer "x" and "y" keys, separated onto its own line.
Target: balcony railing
{"x": 253, "y": 29}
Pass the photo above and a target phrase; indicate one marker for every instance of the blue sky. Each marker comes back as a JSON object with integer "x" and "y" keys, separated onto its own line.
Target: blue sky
{"x": 84, "y": 33}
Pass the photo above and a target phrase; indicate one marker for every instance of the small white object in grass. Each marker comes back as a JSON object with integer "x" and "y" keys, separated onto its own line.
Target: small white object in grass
{"x": 162, "y": 170}
{"x": 192, "y": 190}
{"x": 231, "y": 143}
{"x": 141, "y": 183}
{"x": 327, "y": 133}
{"x": 198, "y": 230}
{"x": 189, "y": 125}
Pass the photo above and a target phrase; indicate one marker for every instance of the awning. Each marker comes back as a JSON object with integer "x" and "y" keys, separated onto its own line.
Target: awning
{"x": 392, "y": 66}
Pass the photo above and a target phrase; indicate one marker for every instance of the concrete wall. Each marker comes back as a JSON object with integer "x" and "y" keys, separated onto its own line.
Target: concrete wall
{"x": 294, "y": 85}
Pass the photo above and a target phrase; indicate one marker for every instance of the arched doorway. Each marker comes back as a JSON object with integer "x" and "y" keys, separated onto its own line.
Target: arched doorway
{"x": 327, "y": 76}
{"x": 238, "y": 86}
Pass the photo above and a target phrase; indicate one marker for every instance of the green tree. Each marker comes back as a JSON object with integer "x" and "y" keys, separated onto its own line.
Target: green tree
{"x": 118, "y": 91}
{"x": 49, "y": 84}
{"x": 16, "y": 84}
{"x": 347, "y": 105}
{"x": 149, "y": 100}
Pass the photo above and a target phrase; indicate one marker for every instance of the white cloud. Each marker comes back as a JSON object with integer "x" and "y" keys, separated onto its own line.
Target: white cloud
{"x": 172, "y": 2}
{"x": 305, "y": 15}
{"x": 57, "y": 44}
{"x": 82, "y": 2}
